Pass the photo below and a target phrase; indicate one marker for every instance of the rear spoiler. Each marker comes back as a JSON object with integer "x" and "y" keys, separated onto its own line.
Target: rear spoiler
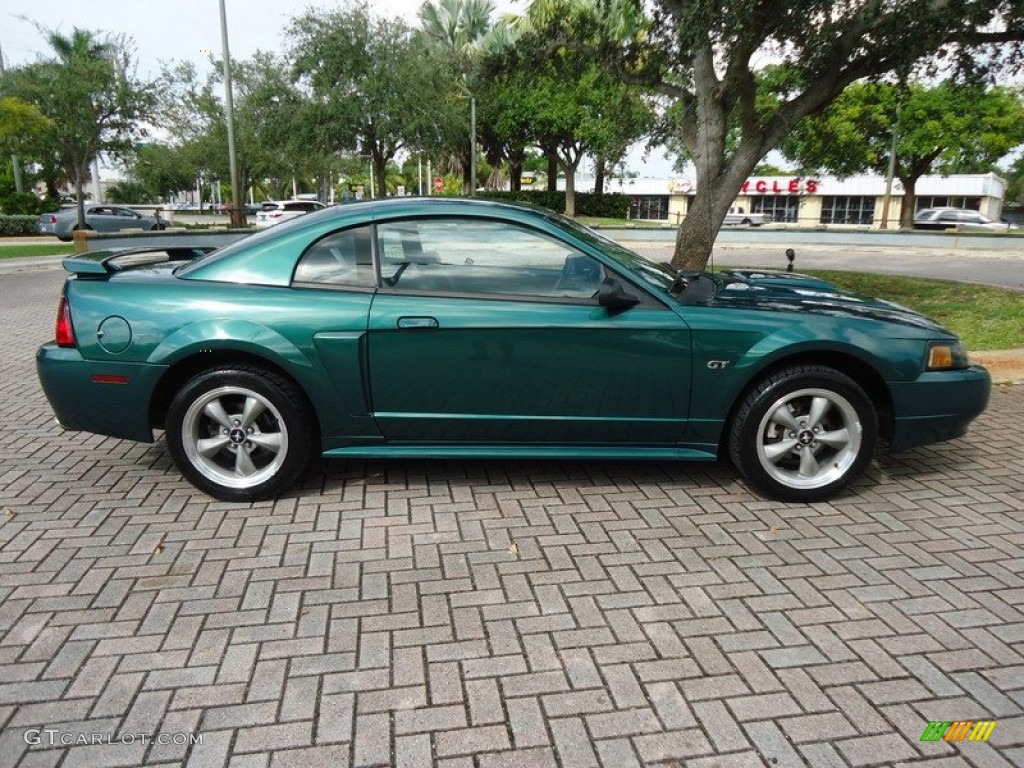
{"x": 105, "y": 263}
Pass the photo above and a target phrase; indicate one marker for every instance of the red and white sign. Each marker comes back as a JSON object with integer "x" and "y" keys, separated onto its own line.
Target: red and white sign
{"x": 780, "y": 186}
{"x": 438, "y": 184}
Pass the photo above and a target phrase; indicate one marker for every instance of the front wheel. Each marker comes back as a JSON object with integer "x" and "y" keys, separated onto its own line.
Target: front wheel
{"x": 240, "y": 433}
{"x": 804, "y": 433}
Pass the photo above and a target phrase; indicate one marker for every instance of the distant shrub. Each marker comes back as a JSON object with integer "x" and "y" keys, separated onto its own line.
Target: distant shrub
{"x": 26, "y": 204}
{"x": 18, "y": 226}
{"x": 606, "y": 206}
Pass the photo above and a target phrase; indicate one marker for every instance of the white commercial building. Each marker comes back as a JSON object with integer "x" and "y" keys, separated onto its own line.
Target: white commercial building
{"x": 811, "y": 201}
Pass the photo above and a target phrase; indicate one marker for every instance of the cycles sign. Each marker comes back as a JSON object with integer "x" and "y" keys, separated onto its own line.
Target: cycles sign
{"x": 798, "y": 185}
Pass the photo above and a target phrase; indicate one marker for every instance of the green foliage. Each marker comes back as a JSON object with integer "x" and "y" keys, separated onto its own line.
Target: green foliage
{"x": 564, "y": 101}
{"x": 18, "y": 226}
{"x": 274, "y": 130}
{"x": 26, "y": 204}
{"x": 22, "y": 125}
{"x": 128, "y": 192}
{"x": 163, "y": 170}
{"x": 1015, "y": 179}
{"x": 606, "y": 206}
{"x": 91, "y": 98}
{"x": 949, "y": 128}
{"x": 376, "y": 86}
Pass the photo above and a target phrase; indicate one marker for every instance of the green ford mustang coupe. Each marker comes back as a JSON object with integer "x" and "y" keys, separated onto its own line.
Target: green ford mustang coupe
{"x": 453, "y": 328}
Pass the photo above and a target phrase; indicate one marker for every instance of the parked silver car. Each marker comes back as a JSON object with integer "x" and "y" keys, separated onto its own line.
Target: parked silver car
{"x": 99, "y": 218}
{"x": 957, "y": 218}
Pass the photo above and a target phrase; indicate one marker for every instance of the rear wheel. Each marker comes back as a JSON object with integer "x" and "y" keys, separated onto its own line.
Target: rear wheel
{"x": 804, "y": 433}
{"x": 240, "y": 433}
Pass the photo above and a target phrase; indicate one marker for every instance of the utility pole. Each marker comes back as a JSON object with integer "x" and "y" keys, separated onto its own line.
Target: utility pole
{"x": 891, "y": 172}
{"x": 15, "y": 163}
{"x": 472, "y": 145}
{"x": 237, "y": 212}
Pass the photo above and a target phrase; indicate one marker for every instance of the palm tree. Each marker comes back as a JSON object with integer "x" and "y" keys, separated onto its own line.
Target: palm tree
{"x": 78, "y": 53}
{"x": 81, "y": 45}
{"x": 461, "y": 27}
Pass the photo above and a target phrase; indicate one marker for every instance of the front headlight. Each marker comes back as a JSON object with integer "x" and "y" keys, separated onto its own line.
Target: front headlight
{"x": 946, "y": 355}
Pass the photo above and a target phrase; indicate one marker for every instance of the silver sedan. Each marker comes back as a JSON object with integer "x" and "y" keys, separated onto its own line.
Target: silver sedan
{"x": 98, "y": 218}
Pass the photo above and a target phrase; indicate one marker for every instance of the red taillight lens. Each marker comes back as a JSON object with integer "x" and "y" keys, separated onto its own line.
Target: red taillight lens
{"x": 53, "y": 219}
{"x": 276, "y": 215}
{"x": 65, "y": 334}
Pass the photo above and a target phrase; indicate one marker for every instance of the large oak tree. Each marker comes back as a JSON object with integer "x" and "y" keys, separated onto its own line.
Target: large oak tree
{"x": 372, "y": 82}
{"x": 703, "y": 56}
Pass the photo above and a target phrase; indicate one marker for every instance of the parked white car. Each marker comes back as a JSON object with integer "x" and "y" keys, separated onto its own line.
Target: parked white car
{"x": 737, "y": 216}
{"x": 274, "y": 212}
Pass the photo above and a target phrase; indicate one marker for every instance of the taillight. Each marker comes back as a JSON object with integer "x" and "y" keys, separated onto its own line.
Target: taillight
{"x": 65, "y": 334}
{"x": 53, "y": 219}
{"x": 276, "y": 215}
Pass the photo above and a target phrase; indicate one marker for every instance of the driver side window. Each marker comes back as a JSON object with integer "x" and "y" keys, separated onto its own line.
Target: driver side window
{"x": 477, "y": 256}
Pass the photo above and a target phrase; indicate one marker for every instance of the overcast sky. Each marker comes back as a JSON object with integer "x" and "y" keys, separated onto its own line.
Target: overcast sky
{"x": 188, "y": 30}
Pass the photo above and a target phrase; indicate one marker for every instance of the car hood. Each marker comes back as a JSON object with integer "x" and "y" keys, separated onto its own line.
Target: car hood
{"x": 791, "y": 292}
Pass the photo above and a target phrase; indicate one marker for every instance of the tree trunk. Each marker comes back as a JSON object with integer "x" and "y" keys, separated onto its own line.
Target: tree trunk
{"x": 599, "y": 169}
{"x": 80, "y": 197}
{"x": 909, "y": 202}
{"x": 570, "y": 189}
{"x": 380, "y": 167}
{"x": 515, "y": 176}
{"x": 718, "y": 184}
{"x": 552, "y": 156}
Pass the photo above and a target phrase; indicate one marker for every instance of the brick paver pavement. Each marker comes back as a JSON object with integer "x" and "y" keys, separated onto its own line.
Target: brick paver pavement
{"x": 493, "y": 614}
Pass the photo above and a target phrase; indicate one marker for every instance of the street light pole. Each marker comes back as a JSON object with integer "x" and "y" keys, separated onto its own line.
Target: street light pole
{"x": 15, "y": 163}
{"x": 237, "y": 212}
{"x": 472, "y": 145}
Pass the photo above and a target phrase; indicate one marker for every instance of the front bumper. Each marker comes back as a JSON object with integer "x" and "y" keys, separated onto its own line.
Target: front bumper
{"x": 938, "y": 406}
{"x": 104, "y": 407}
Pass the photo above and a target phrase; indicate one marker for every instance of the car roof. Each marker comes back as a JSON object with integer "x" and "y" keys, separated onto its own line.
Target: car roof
{"x": 255, "y": 258}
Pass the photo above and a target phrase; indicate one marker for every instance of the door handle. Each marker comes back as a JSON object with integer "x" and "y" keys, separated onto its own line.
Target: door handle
{"x": 418, "y": 323}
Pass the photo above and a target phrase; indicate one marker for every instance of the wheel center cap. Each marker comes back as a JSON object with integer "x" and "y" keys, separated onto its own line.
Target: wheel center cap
{"x": 806, "y": 437}
{"x": 237, "y": 435}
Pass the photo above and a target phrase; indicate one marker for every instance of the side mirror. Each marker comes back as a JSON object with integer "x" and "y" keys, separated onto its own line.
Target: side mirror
{"x": 612, "y": 296}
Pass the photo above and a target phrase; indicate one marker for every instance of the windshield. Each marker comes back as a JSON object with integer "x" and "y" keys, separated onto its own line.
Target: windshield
{"x": 661, "y": 276}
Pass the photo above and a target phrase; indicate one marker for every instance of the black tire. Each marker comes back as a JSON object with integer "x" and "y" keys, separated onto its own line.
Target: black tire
{"x": 240, "y": 433}
{"x": 804, "y": 433}
{"x": 746, "y": 222}
{"x": 158, "y": 228}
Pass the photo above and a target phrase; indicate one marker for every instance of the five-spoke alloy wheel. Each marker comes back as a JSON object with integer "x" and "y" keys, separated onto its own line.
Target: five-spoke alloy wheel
{"x": 240, "y": 433}
{"x": 804, "y": 433}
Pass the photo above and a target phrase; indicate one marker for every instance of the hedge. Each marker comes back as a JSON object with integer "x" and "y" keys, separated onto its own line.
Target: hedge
{"x": 606, "y": 206}
{"x": 18, "y": 226}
